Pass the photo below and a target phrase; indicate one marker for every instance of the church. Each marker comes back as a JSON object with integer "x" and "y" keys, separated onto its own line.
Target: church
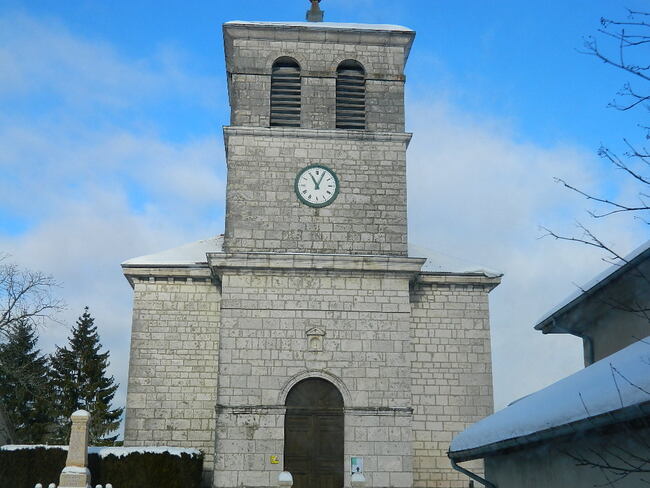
{"x": 311, "y": 337}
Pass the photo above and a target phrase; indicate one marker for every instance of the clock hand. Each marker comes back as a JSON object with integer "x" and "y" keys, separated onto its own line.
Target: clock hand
{"x": 321, "y": 179}
{"x": 316, "y": 186}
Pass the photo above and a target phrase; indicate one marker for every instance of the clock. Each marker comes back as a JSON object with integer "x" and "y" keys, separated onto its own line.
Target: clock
{"x": 316, "y": 185}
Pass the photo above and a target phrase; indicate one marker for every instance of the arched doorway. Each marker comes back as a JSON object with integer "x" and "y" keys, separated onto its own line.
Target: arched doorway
{"x": 313, "y": 434}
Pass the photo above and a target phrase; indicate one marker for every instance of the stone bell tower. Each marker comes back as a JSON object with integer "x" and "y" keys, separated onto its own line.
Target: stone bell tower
{"x": 315, "y": 272}
{"x": 307, "y": 94}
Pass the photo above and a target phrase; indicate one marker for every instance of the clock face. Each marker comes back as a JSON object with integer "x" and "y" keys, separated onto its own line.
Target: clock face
{"x": 316, "y": 186}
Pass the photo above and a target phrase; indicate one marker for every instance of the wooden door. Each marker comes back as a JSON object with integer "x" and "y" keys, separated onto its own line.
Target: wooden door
{"x": 313, "y": 435}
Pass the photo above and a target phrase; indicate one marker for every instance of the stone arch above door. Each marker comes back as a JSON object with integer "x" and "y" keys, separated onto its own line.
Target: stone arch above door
{"x": 335, "y": 380}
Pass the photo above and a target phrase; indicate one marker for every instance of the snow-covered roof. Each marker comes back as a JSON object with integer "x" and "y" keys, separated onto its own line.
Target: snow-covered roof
{"x": 438, "y": 262}
{"x": 191, "y": 254}
{"x": 610, "y": 385}
{"x": 194, "y": 254}
{"x": 639, "y": 254}
{"x": 325, "y": 25}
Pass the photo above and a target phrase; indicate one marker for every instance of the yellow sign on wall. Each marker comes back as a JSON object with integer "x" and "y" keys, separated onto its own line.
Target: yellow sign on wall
{"x": 275, "y": 460}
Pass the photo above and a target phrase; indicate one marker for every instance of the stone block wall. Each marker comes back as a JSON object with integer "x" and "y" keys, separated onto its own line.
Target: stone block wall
{"x": 264, "y": 351}
{"x": 173, "y": 363}
{"x": 263, "y": 212}
{"x": 451, "y": 372}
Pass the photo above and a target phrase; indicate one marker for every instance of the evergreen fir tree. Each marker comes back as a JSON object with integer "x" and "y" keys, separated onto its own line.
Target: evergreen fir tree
{"x": 24, "y": 389}
{"x": 78, "y": 374}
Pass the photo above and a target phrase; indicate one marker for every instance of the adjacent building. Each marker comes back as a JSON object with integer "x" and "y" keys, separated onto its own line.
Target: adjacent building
{"x": 593, "y": 427}
{"x": 610, "y": 312}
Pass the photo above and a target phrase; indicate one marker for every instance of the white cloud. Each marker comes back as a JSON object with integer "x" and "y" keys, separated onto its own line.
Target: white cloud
{"x": 477, "y": 192}
{"x": 94, "y": 190}
{"x": 42, "y": 56}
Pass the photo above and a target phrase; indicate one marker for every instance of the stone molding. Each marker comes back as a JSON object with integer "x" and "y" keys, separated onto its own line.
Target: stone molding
{"x": 489, "y": 282}
{"x": 345, "y": 34}
{"x": 281, "y": 410}
{"x": 327, "y": 134}
{"x": 189, "y": 273}
{"x": 314, "y": 262}
{"x": 315, "y": 373}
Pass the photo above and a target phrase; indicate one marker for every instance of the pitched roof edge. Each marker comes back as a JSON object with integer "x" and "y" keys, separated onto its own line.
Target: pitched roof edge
{"x": 546, "y": 323}
{"x": 629, "y": 413}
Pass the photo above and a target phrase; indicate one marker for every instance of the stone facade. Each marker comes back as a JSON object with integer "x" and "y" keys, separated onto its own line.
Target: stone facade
{"x": 266, "y": 314}
{"x": 451, "y": 373}
{"x": 221, "y": 330}
{"x": 174, "y": 359}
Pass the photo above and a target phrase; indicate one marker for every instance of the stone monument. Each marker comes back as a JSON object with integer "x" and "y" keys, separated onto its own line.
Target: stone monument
{"x": 76, "y": 473}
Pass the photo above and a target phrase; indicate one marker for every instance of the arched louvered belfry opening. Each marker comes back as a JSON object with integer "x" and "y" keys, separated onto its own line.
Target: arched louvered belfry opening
{"x": 350, "y": 95}
{"x": 285, "y": 93}
{"x": 314, "y": 434}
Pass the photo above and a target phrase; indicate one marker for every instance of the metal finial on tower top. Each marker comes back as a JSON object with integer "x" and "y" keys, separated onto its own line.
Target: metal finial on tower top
{"x": 315, "y": 14}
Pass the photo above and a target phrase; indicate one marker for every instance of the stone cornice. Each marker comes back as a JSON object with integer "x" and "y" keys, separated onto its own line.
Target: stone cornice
{"x": 313, "y": 32}
{"x": 489, "y": 282}
{"x": 219, "y": 262}
{"x": 166, "y": 272}
{"x": 329, "y": 134}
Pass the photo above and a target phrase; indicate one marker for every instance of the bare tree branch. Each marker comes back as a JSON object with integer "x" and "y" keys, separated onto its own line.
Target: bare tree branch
{"x": 25, "y": 296}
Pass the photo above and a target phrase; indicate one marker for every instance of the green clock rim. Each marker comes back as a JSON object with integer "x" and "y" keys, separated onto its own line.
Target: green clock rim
{"x": 316, "y": 205}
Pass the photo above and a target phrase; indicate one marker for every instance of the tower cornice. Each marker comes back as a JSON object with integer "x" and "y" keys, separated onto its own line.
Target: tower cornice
{"x": 314, "y": 262}
{"x": 329, "y": 134}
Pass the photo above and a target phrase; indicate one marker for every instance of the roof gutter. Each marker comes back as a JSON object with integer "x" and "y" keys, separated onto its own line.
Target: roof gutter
{"x": 474, "y": 476}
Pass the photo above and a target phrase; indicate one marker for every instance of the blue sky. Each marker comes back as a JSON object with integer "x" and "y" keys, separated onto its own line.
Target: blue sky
{"x": 110, "y": 124}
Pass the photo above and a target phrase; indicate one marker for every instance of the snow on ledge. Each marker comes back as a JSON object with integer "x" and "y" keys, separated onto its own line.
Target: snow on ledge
{"x": 191, "y": 254}
{"x": 20, "y": 447}
{"x": 125, "y": 451}
{"x": 325, "y": 25}
{"x": 111, "y": 451}
{"x": 613, "y": 383}
{"x": 76, "y": 470}
{"x": 438, "y": 262}
{"x": 194, "y": 254}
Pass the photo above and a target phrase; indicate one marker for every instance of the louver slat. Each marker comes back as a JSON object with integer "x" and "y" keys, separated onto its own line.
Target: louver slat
{"x": 285, "y": 94}
{"x": 350, "y": 98}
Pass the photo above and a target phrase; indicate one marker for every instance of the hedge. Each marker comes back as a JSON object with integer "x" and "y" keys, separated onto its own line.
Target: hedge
{"x": 156, "y": 467}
